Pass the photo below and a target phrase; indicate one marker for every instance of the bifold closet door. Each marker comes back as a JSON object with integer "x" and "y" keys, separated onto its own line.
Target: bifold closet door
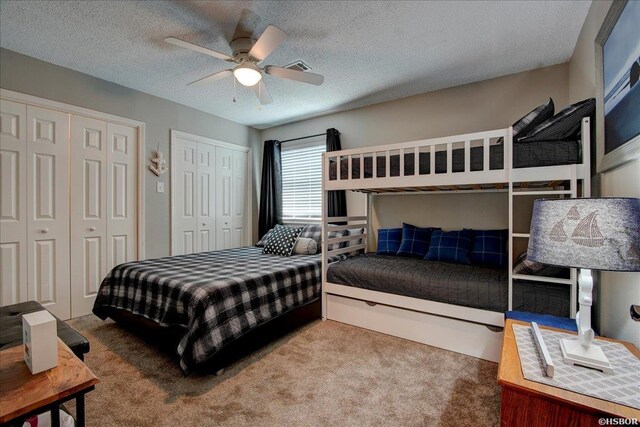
{"x": 239, "y": 196}
{"x": 88, "y": 211}
{"x": 122, "y": 209}
{"x": 206, "y": 218}
{"x": 13, "y": 203}
{"x": 184, "y": 197}
{"x": 224, "y": 224}
{"x": 47, "y": 204}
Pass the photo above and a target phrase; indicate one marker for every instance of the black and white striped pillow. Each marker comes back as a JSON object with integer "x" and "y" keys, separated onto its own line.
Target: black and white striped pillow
{"x": 564, "y": 125}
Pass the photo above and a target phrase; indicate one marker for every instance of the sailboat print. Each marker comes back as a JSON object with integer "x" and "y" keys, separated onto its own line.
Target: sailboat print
{"x": 587, "y": 232}
{"x": 557, "y": 233}
{"x": 573, "y": 213}
{"x": 633, "y": 253}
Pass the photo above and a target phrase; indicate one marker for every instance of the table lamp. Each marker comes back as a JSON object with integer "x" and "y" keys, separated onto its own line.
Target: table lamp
{"x": 589, "y": 234}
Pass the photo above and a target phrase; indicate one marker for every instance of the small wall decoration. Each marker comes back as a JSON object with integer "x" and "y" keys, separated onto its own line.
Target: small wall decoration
{"x": 158, "y": 167}
{"x": 618, "y": 61}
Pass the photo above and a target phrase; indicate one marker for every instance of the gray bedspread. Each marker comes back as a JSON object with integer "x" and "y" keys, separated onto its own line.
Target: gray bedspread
{"x": 467, "y": 285}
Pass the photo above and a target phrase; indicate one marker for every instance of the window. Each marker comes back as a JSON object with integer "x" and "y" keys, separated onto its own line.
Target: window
{"x": 302, "y": 181}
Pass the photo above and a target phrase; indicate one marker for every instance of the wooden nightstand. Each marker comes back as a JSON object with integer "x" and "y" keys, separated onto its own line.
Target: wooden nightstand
{"x": 23, "y": 394}
{"x": 532, "y": 404}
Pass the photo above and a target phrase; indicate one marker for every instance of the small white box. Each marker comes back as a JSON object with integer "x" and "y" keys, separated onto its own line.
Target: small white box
{"x": 40, "y": 337}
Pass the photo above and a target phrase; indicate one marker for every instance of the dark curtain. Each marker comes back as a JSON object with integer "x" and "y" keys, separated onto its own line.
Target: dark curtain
{"x": 336, "y": 200}
{"x": 271, "y": 188}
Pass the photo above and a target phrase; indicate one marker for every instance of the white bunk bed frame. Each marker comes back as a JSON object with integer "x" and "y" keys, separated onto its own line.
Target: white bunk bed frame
{"x": 466, "y": 330}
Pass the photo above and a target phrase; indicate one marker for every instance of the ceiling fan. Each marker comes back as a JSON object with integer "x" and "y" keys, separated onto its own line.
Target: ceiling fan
{"x": 248, "y": 55}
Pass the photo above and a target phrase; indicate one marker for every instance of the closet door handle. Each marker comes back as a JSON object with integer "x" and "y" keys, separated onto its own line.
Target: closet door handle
{"x": 204, "y": 224}
{"x": 92, "y": 229}
{"x": 44, "y": 230}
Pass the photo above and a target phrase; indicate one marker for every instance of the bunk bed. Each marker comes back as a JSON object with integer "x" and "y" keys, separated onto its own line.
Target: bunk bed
{"x": 469, "y": 323}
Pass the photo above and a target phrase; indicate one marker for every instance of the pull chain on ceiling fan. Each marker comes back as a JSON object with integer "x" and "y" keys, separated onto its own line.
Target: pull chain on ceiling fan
{"x": 247, "y": 55}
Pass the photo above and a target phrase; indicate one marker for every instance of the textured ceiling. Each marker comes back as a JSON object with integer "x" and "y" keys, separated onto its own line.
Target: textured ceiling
{"x": 368, "y": 51}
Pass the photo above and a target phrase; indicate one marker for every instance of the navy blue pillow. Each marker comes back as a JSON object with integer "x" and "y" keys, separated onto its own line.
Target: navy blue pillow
{"x": 450, "y": 246}
{"x": 389, "y": 241}
{"x": 489, "y": 247}
{"x": 415, "y": 241}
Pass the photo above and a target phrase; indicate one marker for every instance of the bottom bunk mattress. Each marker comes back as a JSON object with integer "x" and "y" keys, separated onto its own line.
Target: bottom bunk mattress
{"x": 474, "y": 286}
{"x": 215, "y": 296}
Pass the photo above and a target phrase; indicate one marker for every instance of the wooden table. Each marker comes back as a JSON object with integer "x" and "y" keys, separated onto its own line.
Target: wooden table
{"x": 23, "y": 395}
{"x": 534, "y": 404}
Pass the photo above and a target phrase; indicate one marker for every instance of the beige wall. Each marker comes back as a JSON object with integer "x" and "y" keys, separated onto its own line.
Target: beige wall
{"x": 24, "y": 74}
{"x": 616, "y": 290}
{"x": 486, "y": 105}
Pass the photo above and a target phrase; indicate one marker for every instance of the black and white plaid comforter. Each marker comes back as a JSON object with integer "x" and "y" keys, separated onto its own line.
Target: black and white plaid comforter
{"x": 217, "y": 296}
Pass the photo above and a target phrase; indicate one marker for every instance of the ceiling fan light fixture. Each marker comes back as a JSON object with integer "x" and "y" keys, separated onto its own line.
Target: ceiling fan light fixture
{"x": 247, "y": 74}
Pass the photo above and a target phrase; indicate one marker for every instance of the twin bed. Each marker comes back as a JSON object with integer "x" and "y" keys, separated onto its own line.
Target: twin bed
{"x": 217, "y": 299}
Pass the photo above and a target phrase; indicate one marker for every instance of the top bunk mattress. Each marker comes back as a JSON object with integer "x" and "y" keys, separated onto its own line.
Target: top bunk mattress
{"x": 474, "y": 286}
{"x": 525, "y": 155}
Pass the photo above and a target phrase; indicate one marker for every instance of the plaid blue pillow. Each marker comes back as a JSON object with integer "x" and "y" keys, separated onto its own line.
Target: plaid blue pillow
{"x": 389, "y": 241}
{"x": 450, "y": 246}
{"x": 489, "y": 247}
{"x": 415, "y": 241}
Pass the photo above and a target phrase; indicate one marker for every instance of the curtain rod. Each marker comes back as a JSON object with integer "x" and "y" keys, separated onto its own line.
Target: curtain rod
{"x": 303, "y": 137}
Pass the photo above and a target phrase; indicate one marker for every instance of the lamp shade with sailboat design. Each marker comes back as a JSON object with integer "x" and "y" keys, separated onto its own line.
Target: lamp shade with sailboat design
{"x": 589, "y": 234}
{"x": 594, "y": 233}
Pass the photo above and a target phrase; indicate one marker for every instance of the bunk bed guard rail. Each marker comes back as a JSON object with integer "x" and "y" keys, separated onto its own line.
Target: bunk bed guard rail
{"x": 338, "y": 167}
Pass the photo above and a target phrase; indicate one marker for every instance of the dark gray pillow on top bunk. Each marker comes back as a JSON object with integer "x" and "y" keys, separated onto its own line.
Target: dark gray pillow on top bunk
{"x": 532, "y": 119}
{"x": 563, "y": 126}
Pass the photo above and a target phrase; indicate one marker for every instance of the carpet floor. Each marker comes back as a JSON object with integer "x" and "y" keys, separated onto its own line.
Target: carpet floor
{"x": 324, "y": 374}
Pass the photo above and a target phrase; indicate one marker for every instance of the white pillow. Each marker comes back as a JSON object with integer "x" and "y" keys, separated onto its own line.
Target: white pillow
{"x": 305, "y": 246}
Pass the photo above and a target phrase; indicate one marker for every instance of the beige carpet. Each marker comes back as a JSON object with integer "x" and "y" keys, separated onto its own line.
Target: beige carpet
{"x": 325, "y": 374}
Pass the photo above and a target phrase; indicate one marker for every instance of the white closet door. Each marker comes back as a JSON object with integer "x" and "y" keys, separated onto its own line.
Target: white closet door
{"x": 206, "y": 200}
{"x": 13, "y": 203}
{"x": 224, "y": 164}
{"x": 122, "y": 215}
{"x": 184, "y": 210}
{"x": 48, "y": 209}
{"x": 238, "y": 198}
{"x": 88, "y": 211}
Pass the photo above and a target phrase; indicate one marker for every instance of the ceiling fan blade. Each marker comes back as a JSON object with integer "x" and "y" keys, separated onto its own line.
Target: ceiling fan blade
{"x": 262, "y": 93}
{"x": 211, "y": 78}
{"x": 300, "y": 76}
{"x": 177, "y": 42}
{"x": 267, "y": 43}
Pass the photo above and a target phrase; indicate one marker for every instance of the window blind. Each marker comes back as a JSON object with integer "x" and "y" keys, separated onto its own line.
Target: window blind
{"x": 302, "y": 181}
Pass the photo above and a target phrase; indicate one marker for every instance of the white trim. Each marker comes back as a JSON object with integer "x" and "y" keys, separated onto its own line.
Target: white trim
{"x": 206, "y": 140}
{"x": 81, "y": 111}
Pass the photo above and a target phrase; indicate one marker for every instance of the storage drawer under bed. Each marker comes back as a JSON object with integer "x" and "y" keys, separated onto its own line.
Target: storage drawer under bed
{"x": 468, "y": 338}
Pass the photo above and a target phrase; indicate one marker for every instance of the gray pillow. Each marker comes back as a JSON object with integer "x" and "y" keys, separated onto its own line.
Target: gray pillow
{"x": 564, "y": 125}
{"x": 305, "y": 246}
{"x": 264, "y": 239}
